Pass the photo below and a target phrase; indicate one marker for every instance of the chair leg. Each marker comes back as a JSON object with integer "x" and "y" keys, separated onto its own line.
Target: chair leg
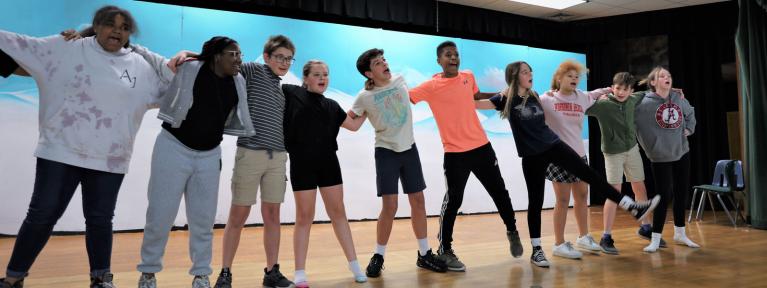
{"x": 692, "y": 204}
{"x": 713, "y": 209}
{"x": 699, "y": 214}
{"x": 724, "y": 207}
{"x": 737, "y": 206}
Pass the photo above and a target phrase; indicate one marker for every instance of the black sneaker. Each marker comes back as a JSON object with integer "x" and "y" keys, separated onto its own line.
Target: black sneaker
{"x": 608, "y": 245}
{"x": 105, "y": 281}
{"x": 224, "y": 279}
{"x": 539, "y": 258}
{"x": 375, "y": 266}
{"x": 515, "y": 243}
{"x": 430, "y": 262}
{"x": 640, "y": 210}
{"x": 646, "y": 234}
{"x": 275, "y": 279}
{"x": 19, "y": 283}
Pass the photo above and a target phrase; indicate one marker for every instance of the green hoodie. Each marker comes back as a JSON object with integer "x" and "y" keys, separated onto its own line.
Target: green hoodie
{"x": 616, "y": 120}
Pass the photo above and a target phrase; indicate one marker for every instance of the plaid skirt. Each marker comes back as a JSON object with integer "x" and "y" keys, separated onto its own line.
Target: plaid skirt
{"x": 555, "y": 173}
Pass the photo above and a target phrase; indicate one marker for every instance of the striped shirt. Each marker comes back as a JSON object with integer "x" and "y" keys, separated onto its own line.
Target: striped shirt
{"x": 266, "y": 103}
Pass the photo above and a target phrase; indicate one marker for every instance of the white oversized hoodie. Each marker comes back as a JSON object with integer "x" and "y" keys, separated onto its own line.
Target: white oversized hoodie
{"x": 91, "y": 101}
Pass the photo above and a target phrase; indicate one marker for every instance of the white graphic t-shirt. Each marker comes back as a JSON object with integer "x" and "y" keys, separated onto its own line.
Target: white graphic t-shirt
{"x": 388, "y": 109}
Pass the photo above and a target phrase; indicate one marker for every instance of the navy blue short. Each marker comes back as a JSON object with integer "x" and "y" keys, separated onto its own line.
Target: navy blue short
{"x": 404, "y": 166}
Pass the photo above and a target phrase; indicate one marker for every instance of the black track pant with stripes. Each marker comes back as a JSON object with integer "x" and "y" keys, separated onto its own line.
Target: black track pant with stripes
{"x": 457, "y": 167}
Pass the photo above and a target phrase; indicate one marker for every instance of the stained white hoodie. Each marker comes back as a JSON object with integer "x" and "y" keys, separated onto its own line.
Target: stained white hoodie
{"x": 91, "y": 101}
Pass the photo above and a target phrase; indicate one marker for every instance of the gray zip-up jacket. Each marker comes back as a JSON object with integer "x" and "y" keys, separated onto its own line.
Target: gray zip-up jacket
{"x": 660, "y": 125}
{"x": 179, "y": 97}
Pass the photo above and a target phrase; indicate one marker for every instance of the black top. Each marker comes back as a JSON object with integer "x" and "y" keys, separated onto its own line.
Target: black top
{"x": 311, "y": 121}
{"x": 528, "y": 124}
{"x": 7, "y": 65}
{"x": 214, "y": 98}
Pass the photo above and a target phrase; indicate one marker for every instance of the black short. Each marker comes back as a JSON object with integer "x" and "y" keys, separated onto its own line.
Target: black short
{"x": 311, "y": 172}
{"x": 404, "y": 166}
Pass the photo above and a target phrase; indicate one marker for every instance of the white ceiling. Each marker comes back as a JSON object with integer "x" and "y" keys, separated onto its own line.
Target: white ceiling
{"x": 591, "y": 9}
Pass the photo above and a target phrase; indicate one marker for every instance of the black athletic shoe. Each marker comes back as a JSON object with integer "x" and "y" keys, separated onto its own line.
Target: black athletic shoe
{"x": 275, "y": 279}
{"x": 19, "y": 283}
{"x": 224, "y": 279}
{"x": 646, "y": 234}
{"x": 375, "y": 266}
{"x": 640, "y": 210}
{"x": 607, "y": 244}
{"x": 431, "y": 262}
{"x": 105, "y": 281}
{"x": 515, "y": 245}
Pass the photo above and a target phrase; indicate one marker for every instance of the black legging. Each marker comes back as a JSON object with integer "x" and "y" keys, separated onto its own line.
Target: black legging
{"x": 534, "y": 169}
{"x": 671, "y": 182}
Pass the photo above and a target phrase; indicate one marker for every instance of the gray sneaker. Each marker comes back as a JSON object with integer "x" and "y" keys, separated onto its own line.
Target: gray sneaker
{"x": 147, "y": 280}
{"x": 453, "y": 264}
{"x": 201, "y": 281}
{"x": 514, "y": 243}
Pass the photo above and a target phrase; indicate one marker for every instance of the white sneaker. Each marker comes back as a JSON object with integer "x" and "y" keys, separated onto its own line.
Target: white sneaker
{"x": 588, "y": 243}
{"x": 566, "y": 250}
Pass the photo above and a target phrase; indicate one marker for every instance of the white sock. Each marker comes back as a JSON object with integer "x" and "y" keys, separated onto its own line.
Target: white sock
{"x": 626, "y": 202}
{"x": 681, "y": 237}
{"x": 535, "y": 241}
{"x": 654, "y": 243}
{"x": 300, "y": 276}
{"x": 423, "y": 246}
{"x": 380, "y": 249}
{"x": 354, "y": 266}
{"x": 608, "y": 232}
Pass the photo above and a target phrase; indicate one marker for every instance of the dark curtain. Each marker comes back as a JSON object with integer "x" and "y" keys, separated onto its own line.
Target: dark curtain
{"x": 752, "y": 54}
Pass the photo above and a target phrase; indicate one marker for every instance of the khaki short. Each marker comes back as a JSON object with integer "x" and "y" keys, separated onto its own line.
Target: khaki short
{"x": 258, "y": 168}
{"x": 629, "y": 163}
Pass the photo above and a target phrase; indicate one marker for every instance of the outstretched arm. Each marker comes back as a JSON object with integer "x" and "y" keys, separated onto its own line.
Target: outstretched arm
{"x": 484, "y": 104}
{"x": 481, "y": 95}
{"x": 353, "y": 122}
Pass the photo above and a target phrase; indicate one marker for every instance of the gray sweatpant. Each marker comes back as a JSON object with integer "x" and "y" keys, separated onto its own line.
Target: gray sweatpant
{"x": 178, "y": 170}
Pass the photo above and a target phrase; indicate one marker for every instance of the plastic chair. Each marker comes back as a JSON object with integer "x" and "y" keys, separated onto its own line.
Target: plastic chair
{"x": 718, "y": 182}
{"x": 731, "y": 183}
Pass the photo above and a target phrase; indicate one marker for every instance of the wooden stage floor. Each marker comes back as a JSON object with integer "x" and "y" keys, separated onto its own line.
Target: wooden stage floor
{"x": 730, "y": 257}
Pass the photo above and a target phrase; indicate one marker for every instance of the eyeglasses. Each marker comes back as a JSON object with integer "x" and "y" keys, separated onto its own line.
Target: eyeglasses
{"x": 233, "y": 53}
{"x": 282, "y": 59}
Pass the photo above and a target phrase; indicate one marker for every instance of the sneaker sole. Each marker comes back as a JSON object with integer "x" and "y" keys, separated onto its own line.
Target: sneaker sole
{"x": 609, "y": 252}
{"x": 590, "y": 249}
{"x": 541, "y": 265}
{"x": 430, "y": 268}
{"x": 653, "y": 204}
{"x": 568, "y": 256}
{"x": 460, "y": 269}
{"x": 290, "y": 286}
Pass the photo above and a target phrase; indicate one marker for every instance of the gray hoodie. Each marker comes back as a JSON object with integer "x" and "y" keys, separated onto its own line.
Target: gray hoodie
{"x": 660, "y": 125}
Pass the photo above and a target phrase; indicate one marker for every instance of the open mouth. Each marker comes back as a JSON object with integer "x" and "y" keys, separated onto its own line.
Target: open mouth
{"x": 573, "y": 84}
{"x": 113, "y": 40}
{"x": 531, "y": 81}
{"x": 387, "y": 71}
{"x": 321, "y": 84}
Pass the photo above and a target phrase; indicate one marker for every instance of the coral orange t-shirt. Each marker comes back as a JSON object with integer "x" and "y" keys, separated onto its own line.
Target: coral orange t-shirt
{"x": 452, "y": 102}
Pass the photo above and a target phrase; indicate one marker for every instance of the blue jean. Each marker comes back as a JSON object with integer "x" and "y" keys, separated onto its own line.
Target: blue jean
{"x": 55, "y": 183}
